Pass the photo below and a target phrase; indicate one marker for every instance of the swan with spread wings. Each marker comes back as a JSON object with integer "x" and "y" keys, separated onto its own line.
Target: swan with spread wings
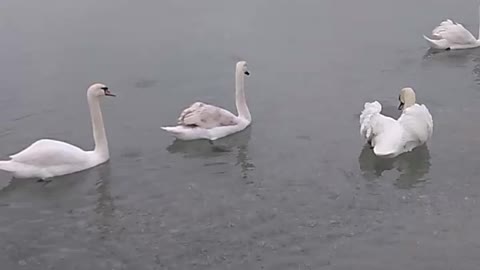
{"x": 391, "y": 137}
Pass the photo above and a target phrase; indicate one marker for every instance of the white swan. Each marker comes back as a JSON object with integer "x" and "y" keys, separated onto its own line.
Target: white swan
{"x": 450, "y": 35}
{"x": 48, "y": 158}
{"x": 390, "y": 137}
{"x": 204, "y": 121}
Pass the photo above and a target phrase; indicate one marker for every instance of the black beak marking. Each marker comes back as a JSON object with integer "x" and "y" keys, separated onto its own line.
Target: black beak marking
{"x": 107, "y": 92}
{"x": 247, "y": 73}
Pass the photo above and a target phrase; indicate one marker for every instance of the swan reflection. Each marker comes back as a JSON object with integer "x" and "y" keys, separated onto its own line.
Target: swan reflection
{"x": 105, "y": 206}
{"x": 236, "y": 144}
{"x": 476, "y": 68}
{"x": 453, "y": 58}
{"x": 413, "y": 167}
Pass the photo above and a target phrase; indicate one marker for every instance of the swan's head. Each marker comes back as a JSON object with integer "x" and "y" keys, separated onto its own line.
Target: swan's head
{"x": 407, "y": 98}
{"x": 242, "y": 66}
{"x": 99, "y": 90}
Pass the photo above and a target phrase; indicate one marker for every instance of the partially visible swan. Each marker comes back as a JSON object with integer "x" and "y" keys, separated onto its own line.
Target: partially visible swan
{"x": 48, "y": 158}
{"x": 450, "y": 35}
{"x": 204, "y": 121}
{"x": 389, "y": 137}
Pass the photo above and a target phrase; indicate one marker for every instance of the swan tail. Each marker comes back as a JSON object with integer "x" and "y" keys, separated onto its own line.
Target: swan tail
{"x": 370, "y": 110}
{"x": 188, "y": 133}
{"x": 174, "y": 130}
{"x": 386, "y": 152}
{"x": 179, "y": 132}
{"x": 439, "y": 44}
{"x": 7, "y": 165}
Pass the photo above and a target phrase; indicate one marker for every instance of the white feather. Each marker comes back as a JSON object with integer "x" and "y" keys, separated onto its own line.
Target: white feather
{"x": 390, "y": 137}
{"x": 204, "y": 121}
{"x": 47, "y": 158}
{"x": 451, "y": 35}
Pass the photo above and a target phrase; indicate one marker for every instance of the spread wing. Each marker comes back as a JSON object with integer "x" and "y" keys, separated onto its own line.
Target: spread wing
{"x": 373, "y": 124}
{"x": 453, "y": 32}
{"x": 206, "y": 116}
{"x": 50, "y": 153}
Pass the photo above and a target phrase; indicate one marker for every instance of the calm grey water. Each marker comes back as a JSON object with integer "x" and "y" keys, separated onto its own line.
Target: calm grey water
{"x": 297, "y": 190}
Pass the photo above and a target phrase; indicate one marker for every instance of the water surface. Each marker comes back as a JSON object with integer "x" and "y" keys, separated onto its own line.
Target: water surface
{"x": 296, "y": 190}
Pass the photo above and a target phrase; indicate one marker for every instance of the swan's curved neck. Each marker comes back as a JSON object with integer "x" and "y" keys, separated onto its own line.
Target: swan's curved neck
{"x": 99, "y": 135}
{"x": 240, "y": 100}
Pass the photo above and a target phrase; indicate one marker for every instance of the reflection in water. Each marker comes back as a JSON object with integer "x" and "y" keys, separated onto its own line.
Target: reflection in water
{"x": 453, "y": 58}
{"x": 476, "y": 68}
{"x": 105, "y": 207}
{"x": 6, "y": 182}
{"x": 456, "y": 58}
{"x": 32, "y": 185}
{"x": 244, "y": 161}
{"x": 221, "y": 147}
{"x": 412, "y": 166}
{"x": 431, "y": 52}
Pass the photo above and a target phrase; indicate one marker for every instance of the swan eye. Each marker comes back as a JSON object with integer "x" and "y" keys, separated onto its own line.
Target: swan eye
{"x": 104, "y": 88}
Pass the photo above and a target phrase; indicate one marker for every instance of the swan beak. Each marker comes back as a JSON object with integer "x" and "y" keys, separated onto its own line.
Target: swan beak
{"x": 247, "y": 73}
{"x": 400, "y": 107}
{"x": 108, "y": 93}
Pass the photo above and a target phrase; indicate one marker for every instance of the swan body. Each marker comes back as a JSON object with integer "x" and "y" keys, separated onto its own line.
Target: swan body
{"x": 204, "y": 121}
{"x": 47, "y": 158}
{"x": 390, "y": 137}
{"x": 450, "y": 35}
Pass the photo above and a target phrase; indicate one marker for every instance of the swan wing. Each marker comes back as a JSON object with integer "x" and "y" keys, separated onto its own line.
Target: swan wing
{"x": 372, "y": 122}
{"x": 47, "y": 153}
{"x": 206, "y": 116}
{"x": 417, "y": 122}
{"x": 454, "y": 33}
{"x": 383, "y": 133}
